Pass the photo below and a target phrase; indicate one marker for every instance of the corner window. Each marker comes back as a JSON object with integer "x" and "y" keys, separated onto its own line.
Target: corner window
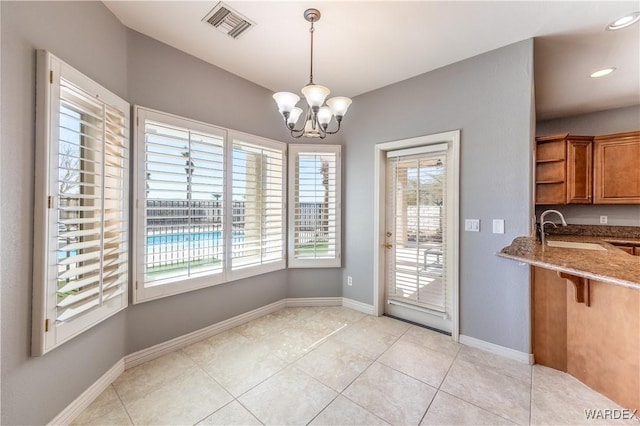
{"x": 314, "y": 206}
{"x": 209, "y": 205}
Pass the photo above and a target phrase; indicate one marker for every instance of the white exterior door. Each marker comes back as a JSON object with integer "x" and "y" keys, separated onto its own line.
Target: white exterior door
{"x": 418, "y": 264}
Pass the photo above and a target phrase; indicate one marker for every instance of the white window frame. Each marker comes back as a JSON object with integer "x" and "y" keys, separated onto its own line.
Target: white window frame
{"x": 270, "y": 266}
{"x": 47, "y": 334}
{"x": 142, "y": 293}
{"x": 293, "y": 262}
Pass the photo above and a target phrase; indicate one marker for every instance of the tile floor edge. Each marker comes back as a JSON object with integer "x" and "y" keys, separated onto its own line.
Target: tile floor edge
{"x": 69, "y": 413}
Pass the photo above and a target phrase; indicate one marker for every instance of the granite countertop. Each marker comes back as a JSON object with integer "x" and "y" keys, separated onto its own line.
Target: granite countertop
{"x": 612, "y": 265}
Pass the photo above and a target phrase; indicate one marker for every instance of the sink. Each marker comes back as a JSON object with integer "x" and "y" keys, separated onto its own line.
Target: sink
{"x": 575, "y": 245}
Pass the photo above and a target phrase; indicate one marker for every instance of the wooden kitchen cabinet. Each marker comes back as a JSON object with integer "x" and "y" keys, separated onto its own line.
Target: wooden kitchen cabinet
{"x": 617, "y": 168}
{"x": 563, "y": 169}
{"x": 596, "y": 340}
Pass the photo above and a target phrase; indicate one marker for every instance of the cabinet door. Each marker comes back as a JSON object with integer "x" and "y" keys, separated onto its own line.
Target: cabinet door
{"x": 636, "y": 251}
{"x": 617, "y": 169}
{"x": 579, "y": 154}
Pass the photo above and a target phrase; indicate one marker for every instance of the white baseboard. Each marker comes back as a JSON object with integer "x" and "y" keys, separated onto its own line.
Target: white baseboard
{"x": 69, "y": 414}
{"x": 85, "y": 399}
{"x": 522, "y": 357}
{"x": 156, "y": 351}
{"x": 295, "y": 302}
{"x": 358, "y": 306}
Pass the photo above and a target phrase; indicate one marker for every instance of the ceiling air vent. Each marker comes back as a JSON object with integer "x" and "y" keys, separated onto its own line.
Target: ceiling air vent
{"x": 228, "y": 21}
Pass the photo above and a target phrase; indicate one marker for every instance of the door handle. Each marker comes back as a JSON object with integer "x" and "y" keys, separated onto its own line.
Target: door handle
{"x": 388, "y": 245}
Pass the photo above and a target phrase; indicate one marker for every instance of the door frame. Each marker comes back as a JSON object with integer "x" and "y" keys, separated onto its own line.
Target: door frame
{"x": 379, "y": 216}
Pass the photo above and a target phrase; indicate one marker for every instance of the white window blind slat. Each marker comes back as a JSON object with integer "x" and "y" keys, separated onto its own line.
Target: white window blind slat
{"x": 314, "y": 222}
{"x": 257, "y": 193}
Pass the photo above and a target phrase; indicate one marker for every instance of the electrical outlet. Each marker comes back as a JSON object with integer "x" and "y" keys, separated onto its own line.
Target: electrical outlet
{"x": 472, "y": 225}
{"x": 604, "y": 220}
{"x": 349, "y": 280}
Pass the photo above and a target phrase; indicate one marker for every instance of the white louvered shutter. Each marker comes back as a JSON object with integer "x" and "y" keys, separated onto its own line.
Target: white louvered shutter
{"x": 258, "y": 203}
{"x": 180, "y": 240}
{"x": 315, "y": 206}
{"x": 86, "y": 243}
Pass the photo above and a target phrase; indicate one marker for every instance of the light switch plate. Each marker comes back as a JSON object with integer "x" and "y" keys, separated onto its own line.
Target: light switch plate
{"x": 472, "y": 225}
{"x": 498, "y": 226}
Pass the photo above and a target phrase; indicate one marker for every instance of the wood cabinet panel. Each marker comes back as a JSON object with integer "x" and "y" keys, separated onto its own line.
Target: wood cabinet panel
{"x": 603, "y": 342}
{"x": 598, "y": 343}
{"x": 551, "y": 148}
{"x": 563, "y": 169}
{"x": 549, "y": 334}
{"x": 617, "y": 169}
{"x": 636, "y": 251}
{"x": 579, "y": 155}
{"x": 628, "y": 249}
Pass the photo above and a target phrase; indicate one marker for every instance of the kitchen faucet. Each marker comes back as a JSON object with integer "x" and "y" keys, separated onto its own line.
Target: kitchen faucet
{"x": 542, "y": 222}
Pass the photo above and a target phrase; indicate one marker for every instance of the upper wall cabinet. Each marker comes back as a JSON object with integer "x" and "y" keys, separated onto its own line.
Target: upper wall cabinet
{"x": 563, "y": 169}
{"x": 617, "y": 168}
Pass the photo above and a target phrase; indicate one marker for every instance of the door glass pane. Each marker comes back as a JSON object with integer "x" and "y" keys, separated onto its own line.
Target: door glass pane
{"x": 417, "y": 272}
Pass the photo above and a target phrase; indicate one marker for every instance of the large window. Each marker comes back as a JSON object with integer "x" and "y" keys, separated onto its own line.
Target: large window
{"x": 210, "y": 205}
{"x": 81, "y": 213}
{"x": 314, "y": 206}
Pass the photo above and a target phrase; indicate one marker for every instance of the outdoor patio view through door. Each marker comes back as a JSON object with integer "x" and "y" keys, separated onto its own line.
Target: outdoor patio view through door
{"x": 417, "y": 284}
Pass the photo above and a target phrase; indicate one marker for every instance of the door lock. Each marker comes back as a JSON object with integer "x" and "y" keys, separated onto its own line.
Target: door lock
{"x": 389, "y": 234}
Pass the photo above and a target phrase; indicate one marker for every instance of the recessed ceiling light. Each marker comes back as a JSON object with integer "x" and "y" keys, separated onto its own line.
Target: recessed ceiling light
{"x": 602, "y": 73}
{"x": 624, "y": 22}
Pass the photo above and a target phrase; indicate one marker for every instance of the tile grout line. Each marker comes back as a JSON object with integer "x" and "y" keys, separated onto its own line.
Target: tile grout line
{"x": 212, "y": 378}
{"x": 440, "y": 385}
{"x": 287, "y": 365}
{"x": 490, "y": 368}
{"x": 373, "y": 361}
{"x": 123, "y": 405}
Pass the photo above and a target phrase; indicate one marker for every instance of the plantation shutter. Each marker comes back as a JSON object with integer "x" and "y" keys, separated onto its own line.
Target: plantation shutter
{"x": 183, "y": 203}
{"x": 258, "y": 203}
{"x": 85, "y": 241}
{"x": 315, "y": 206}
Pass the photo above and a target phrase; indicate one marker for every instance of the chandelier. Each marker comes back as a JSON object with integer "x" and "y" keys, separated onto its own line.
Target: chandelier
{"x": 317, "y": 116}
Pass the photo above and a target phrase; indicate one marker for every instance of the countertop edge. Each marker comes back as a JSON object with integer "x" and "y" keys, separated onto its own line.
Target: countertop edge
{"x": 575, "y": 272}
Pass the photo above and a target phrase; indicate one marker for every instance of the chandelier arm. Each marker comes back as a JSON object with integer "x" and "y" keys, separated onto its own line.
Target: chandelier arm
{"x": 334, "y": 132}
{"x": 293, "y": 134}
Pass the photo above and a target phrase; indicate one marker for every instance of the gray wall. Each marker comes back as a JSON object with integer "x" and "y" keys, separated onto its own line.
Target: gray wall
{"x": 34, "y": 390}
{"x": 151, "y": 74}
{"x": 617, "y": 120}
{"x": 166, "y": 79}
{"x": 488, "y": 97}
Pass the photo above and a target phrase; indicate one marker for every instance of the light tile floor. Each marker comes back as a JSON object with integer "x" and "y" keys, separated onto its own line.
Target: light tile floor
{"x": 337, "y": 366}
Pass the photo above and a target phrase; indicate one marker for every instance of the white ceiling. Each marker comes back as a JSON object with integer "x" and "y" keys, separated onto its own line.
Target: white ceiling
{"x": 364, "y": 45}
